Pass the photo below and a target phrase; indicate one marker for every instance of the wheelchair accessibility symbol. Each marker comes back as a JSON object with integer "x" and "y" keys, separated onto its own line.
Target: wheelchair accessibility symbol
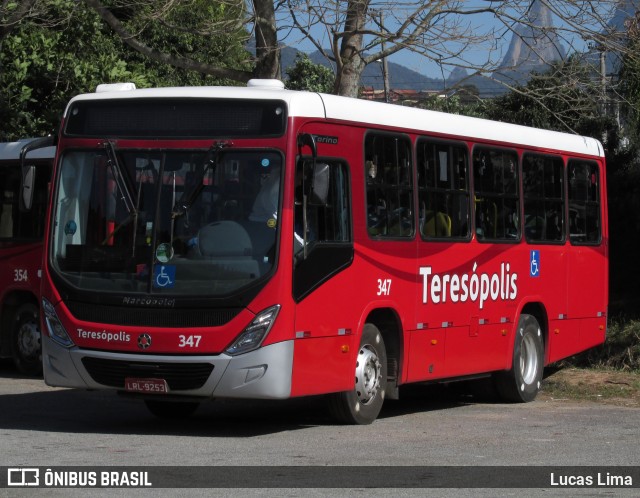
{"x": 535, "y": 264}
{"x": 164, "y": 276}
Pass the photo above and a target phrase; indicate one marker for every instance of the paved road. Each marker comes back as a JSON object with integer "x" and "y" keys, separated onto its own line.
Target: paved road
{"x": 43, "y": 426}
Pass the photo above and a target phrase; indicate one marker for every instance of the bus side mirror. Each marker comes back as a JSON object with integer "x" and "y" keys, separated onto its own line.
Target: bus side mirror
{"x": 29, "y": 171}
{"x": 28, "y": 184}
{"x": 319, "y": 184}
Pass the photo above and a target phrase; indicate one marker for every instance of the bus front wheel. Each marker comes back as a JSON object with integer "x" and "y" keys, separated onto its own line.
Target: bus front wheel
{"x": 363, "y": 403}
{"x": 522, "y": 383}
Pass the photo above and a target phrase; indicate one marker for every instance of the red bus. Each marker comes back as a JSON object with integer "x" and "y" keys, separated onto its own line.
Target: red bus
{"x": 263, "y": 243}
{"x": 24, "y": 180}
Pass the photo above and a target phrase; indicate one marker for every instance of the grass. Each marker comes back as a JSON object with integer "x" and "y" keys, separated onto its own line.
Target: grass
{"x": 595, "y": 384}
{"x": 620, "y": 351}
{"x": 609, "y": 373}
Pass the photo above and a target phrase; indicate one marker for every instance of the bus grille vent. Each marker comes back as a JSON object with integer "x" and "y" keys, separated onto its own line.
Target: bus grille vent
{"x": 179, "y": 376}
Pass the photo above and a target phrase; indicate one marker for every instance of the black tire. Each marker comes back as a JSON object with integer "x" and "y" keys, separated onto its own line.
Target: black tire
{"x": 363, "y": 403}
{"x": 171, "y": 410}
{"x": 522, "y": 383}
{"x": 26, "y": 340}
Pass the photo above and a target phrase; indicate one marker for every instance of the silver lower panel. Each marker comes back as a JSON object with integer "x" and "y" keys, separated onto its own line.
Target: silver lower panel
{"x": 262, "y": 374}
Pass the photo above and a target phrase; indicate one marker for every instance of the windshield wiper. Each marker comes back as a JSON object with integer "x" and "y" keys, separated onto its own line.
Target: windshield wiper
{"x": 210, "y": 163}
{"x": 120, "y": 177}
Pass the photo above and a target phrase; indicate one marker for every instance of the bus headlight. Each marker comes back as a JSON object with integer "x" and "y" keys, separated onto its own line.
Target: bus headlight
{"x": 252, "y": 336}
{"x": 55, "y": 328}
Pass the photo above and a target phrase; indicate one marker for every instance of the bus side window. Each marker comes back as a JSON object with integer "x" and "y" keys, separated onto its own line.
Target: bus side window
{"x": 584, "y": 202}
{"x": 497, "y": 202}
{"x": 443, "y": 189}
{"x": 543, "y": 182}
{"x": 327, "y": 222}
{"x": 389, "y": 183}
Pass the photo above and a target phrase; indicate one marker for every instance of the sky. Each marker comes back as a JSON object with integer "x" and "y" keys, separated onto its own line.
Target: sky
{"x": 493, "y": 49}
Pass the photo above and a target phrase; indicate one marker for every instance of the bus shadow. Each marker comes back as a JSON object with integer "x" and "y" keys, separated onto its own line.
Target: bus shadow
{"x": 79, "y": 411}
{"x": 104, "y": 412}
{"x": 422, "y": 398}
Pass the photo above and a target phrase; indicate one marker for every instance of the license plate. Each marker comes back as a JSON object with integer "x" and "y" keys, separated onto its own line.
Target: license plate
{"x": 134, "y": 385}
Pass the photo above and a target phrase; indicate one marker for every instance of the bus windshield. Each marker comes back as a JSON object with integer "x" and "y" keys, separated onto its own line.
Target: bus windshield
{"x": 201, "y": 223}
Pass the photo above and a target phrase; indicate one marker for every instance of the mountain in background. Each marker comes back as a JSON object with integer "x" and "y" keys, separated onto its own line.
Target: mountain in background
{"x": 400, "y": 77}
{"x": 617, "y": 28}
{"x": 533, "y": 47}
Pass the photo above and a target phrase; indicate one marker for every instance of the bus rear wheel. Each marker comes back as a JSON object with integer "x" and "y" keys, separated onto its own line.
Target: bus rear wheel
{"x": 26, "y": 341}
{"x": 363, "y": 403}
{"x": 522, "y": 383}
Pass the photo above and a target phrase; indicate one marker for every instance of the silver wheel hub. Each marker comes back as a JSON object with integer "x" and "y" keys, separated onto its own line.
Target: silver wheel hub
{"x": 528, "y": 359}
{"x": 29, "y": 340}
{"x": 368, "y": 374}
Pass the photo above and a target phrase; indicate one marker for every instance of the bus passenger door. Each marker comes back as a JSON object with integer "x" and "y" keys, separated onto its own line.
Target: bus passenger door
{"x": 322, "y": 286}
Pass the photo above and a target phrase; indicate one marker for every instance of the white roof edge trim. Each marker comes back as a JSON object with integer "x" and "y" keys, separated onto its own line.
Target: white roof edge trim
{"x": 457, "y": 126}
{"x": 408, "y": 119}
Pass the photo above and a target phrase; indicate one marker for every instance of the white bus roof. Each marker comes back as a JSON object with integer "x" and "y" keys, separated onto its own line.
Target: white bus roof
{"x": 11, "y": 151}
{"x": 315, "y": 105}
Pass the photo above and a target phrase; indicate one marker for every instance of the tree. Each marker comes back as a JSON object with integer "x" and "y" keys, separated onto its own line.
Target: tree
{"x": 464, "y": 100}
{"x": 360, "y": 32}
{"x": 207, "y": 30}
{"x": 355, "y": 33}
{"x": 199, "y": 36}
{"x": 560, "y": 99}
{"x": 45, "y": 59}
{"x": 557, "y": 99}
{"x": 12, "y": 13}
{"x": 630, "y": 83}
{"x": 624, "y": 176}
{"x": 262, "y": 18}
{"x": 305, "y": 75}
{"x": 67, "y": 49}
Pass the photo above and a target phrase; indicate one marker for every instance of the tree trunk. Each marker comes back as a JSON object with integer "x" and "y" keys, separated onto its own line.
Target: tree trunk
{"x": 267, "y": 49}
{"x": 350, "y": 62}
{"x": 348, "y": 80}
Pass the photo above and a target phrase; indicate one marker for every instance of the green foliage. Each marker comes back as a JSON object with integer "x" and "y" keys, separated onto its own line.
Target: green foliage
{"x": 629, "y": 86}
{"x": 67, "y": 49}
{"x": 621, "y": 350}
{"x": 305, "y": 75}
{"x": 463, "y": 102}
{"x": 208, "y": 32}
{"x": 46, "y": 60}
{"x": 560, "y": 99}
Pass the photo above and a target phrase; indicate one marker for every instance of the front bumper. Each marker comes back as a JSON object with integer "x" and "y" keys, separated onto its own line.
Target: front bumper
{"x": 261, "y": 374}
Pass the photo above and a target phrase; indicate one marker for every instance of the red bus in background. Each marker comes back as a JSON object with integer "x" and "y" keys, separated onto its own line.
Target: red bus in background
{"x": 263, "y": 243}
{"x": 25, "y": 188}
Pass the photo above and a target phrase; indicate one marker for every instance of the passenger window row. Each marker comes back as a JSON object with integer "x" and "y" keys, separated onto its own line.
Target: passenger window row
{"x": 554, "y": 197}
